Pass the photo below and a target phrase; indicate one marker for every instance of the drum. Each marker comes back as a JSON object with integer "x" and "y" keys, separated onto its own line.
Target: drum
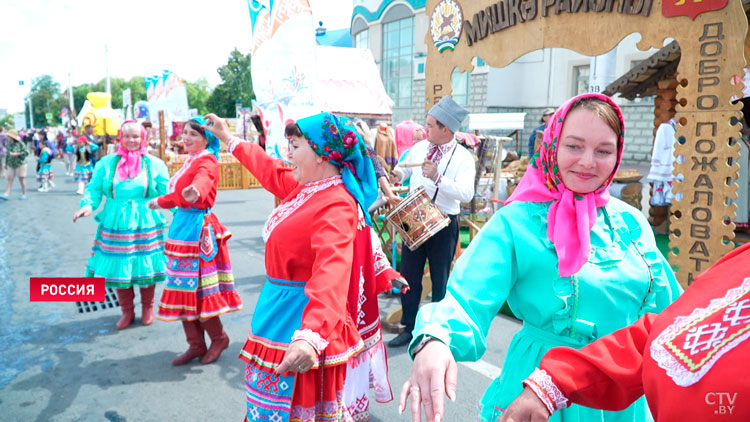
{"x": 417, "y": 219}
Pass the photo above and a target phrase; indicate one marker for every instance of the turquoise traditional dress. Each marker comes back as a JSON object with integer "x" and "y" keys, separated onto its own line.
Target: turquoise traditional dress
{"x": 129, "y": 245}
{"x": 512, "y": 259}
{"x": 45, "y": 166}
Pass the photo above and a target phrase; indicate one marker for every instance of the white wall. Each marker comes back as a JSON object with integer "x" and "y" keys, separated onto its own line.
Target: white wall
{"x": 544, "y": 78}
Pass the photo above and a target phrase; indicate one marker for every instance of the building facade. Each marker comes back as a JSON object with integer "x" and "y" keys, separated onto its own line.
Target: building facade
{"x": 395, "y": 31}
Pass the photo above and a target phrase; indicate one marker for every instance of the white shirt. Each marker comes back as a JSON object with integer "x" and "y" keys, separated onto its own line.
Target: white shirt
{"x": 456, "y": 185}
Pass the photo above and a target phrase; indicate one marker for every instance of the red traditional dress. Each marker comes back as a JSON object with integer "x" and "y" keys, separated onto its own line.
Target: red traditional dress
{"x": 371, "y": 275}
{"x": 199, "y": 284}
{"x": 310, "y": 241}
{"x": 690, "y": 360}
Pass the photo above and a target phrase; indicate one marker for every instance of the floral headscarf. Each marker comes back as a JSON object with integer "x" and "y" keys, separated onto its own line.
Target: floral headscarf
{"x": 336, "y": 140}
{"x": 130, "y": 164}
{"x": 572, "y": 215}
{"x": 213, "y": 142}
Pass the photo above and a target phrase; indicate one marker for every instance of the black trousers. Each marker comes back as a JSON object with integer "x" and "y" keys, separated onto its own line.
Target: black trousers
{"x": 439, "y": 251}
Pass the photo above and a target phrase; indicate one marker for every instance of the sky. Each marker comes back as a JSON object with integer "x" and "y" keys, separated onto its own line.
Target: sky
{"x": 192, "y": 38}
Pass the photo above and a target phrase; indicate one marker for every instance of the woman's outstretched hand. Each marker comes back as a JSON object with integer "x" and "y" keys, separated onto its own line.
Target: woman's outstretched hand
{"x": 433, "y": 374}
{"x": 83, "y": 212}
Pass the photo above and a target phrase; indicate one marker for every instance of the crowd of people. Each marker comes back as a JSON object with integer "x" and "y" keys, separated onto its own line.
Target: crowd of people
{"x": 603, "y": 319}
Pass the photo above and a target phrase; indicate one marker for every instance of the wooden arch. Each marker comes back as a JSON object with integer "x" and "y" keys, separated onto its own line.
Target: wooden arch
{"x": 711, "y": 34}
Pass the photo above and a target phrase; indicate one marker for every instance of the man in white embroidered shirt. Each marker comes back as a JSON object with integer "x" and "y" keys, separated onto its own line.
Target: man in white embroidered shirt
{"x": 448, "y": 169}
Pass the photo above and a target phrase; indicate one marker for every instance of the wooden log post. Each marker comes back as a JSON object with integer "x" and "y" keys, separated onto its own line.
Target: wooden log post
{"x": 162, "y": 135}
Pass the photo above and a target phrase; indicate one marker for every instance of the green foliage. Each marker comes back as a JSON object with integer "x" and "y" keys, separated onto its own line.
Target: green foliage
{"x": 236, "y": 86}
{"x": 45, "y": 95}
{"x": 198, "y": 93}
{"x": 7, "y": 121}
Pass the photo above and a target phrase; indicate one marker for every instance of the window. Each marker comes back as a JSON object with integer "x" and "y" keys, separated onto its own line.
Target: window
{"x": 580, "y": 79}
{"x": 460, "y": 85}
{"x": 398, "y": 55}
{"x": 362, "y": 39}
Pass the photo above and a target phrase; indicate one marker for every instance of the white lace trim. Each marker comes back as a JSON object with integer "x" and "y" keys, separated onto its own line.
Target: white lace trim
{"x": 312, "y": 338}
{"x": 233, "y": 142}
{"x": 541, "y": 383}
{"x": 680, "y": 374}
{"x": 286, "y": 209}
{"x": 185, "y": 166}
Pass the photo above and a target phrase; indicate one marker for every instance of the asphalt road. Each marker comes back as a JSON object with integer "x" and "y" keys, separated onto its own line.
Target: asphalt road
{"x": 57, "y": 364}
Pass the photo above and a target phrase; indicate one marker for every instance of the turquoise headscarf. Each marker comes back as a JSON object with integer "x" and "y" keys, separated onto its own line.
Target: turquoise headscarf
{"x": 335, "y": 140}
{"x": 213, "y": 142}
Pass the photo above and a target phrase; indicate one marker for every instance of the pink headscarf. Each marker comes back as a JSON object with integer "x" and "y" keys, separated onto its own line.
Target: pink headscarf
{"x": 130, "y": 163}
{"x": 572, "y": 215}
{"x": 405, "y": 135}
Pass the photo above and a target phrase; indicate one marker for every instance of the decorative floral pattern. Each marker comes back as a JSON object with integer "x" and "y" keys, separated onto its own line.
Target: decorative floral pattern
{"x": 689, "y": 347}
{"x": 287, "y": 208}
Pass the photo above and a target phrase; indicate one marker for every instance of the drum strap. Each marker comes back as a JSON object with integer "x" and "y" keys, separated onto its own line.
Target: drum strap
{"x": 437, "y": 188}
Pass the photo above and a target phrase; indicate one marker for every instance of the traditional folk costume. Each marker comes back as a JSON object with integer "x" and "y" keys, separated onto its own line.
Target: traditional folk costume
{"x": 45, "y": 174}
{"x": 371, "y": 275}
{"x": 128, "y": 249}
{"x": 84, "y": 152}
{"x": 687, "y": 360}
{"x": 573, "y": 267}
{"x": 200, "y": 284}
{"x": 316, "y": 266}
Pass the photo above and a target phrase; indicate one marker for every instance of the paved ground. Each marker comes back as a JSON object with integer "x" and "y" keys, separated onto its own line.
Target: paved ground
{"x": 60, "y": 365}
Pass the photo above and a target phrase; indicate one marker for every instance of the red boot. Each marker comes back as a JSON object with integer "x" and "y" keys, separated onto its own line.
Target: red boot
{"x": 147, "y": 304}
{"x": 194, "y": 335}
{"x": 125, "y": 297}
{"x": 219, "y": 339}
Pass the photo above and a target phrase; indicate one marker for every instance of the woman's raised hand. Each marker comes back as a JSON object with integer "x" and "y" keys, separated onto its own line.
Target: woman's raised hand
{"x": 433, "y": 374}
{"x": 217, "y": 126}
{"x": 526, "y": 407}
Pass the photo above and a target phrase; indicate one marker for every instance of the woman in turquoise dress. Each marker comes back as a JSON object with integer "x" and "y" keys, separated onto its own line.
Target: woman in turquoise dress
{"x": 128, "y": 249}
{"x": 572, "y": 263}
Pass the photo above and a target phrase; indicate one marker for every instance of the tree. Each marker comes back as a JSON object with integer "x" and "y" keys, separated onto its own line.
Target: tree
{"x": 236, "y": 85}
{"x": 45, "y": 93}
{"x": 198, "y": 93}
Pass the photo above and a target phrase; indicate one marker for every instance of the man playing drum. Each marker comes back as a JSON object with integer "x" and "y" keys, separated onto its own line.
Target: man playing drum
{"x": 447, "y": 176}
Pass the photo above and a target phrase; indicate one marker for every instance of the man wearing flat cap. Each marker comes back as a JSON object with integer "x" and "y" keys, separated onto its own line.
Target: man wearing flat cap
{"x": 447, "y": 176}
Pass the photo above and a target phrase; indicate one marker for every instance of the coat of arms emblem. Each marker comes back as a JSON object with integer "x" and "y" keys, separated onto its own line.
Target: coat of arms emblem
{"x": 446, "y": 24}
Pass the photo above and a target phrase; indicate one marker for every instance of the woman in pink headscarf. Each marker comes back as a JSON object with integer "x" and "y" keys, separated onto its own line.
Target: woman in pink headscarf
{"x": 572, "y": 263}
{"x": 128, "y": 249}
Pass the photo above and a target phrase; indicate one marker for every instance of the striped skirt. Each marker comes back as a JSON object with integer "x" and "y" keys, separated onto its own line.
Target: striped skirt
{"x": 128, "y": 248}
{"x": 200, "y": 284}
{"x": 83, "y": 173}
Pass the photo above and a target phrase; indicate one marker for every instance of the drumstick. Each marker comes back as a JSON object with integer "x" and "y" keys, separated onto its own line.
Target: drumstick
{"x": 407, "y": 165}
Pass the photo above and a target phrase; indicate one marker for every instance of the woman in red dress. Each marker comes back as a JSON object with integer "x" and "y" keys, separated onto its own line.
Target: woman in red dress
{"x": 200, "y": 285}
{"x": 304, "y": 331}
{"x": 687, "y": 360}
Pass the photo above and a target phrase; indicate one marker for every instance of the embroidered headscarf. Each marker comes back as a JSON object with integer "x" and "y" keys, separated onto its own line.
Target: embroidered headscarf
{"x": 336, "y": 140}
{"x": 213, "y": 142}
{"x": 572, "y": 215}
{"x": 130, "y": 164}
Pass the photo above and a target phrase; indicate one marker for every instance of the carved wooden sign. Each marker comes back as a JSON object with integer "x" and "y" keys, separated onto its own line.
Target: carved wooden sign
{"x": 711, "y": 34}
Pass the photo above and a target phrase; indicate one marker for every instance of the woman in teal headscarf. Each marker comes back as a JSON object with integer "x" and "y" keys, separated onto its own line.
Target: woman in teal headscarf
{"x": 303, "y": 330}
{"x": 200, "y": 284}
